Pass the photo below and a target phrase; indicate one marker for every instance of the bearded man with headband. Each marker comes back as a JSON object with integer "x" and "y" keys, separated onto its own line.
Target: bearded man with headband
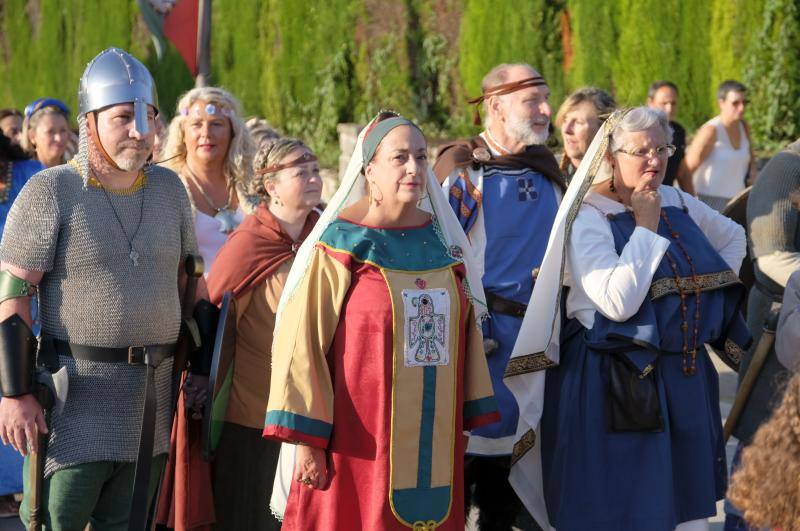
{"x": 102, "y": 239}
{"x": 505, "y": 188}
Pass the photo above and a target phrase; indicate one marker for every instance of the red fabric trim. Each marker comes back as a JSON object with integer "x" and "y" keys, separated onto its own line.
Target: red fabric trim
{"x": 282, "y": 434}
{"x": 180, "y": 26}
{"x": 481, "y": 420}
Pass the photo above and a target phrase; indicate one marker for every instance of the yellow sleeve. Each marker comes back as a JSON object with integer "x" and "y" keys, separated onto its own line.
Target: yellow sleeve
{"x": 300, "y": 405}
{"x": 480, "y": 406}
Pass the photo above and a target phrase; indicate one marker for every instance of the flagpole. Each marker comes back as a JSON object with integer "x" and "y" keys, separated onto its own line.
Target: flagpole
{"x": 203, "y": 43}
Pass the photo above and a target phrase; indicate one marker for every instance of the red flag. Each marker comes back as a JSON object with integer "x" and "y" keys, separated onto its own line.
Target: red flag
{"x": 180, "y": 26}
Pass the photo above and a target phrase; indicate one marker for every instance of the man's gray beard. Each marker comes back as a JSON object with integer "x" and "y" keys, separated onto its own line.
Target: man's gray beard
{"x": 131, "y": 162}
{"x": 522, "y": 131}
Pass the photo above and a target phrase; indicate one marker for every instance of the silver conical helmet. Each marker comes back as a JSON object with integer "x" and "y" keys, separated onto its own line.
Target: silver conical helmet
{"x": 115, "y": 76}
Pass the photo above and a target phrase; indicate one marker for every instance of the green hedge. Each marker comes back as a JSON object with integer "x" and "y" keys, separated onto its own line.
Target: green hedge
{"x": 773, "y": 76}
{"x": 307, "y": 65}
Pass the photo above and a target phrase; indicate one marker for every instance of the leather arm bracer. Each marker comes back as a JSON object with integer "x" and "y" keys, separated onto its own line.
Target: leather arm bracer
{"x": 206, "y": 315}
{"x": 17, "y": 357}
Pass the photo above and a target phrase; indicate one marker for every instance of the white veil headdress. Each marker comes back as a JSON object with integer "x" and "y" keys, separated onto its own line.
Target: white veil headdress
{"x": 538, "y": 342}
{"x": 351, "y": 189}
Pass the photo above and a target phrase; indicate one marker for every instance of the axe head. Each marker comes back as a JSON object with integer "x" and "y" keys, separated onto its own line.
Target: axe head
{"x": 56, "y": 385}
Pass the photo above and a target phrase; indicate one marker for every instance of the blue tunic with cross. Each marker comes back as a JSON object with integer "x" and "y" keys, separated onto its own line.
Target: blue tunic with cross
{"x": 519, "y": 206}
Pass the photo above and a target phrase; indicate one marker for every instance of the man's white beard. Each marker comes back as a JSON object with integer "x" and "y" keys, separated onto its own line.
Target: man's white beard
{"x": 523, "y": 131}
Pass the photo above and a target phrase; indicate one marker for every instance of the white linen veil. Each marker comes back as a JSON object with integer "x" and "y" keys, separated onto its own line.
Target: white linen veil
{"x": 351, "y": 189}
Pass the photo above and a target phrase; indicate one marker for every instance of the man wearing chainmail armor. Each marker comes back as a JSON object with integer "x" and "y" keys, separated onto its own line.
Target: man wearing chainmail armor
{"x": 102, "y": 240}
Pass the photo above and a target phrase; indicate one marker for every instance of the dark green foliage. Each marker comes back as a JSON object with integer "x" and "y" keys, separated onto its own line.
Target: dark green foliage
{"x": 308, "y": 65}
{"x": 511, "y": 31}
{"x": 594, "y": 43}
{"x": 46, "y": 45}
{"x": 773, "y": 77}
{"x": 736, "y": 24}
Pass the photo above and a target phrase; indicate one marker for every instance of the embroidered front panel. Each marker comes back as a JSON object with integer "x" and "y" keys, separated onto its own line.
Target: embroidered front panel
{"x": 426, "y": 313}
{"x": 428, "y": 325}
{"x": 707, "y": 282}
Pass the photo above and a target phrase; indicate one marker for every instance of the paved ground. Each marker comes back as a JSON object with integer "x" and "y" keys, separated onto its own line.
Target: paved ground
{"x": 727, "y": 381}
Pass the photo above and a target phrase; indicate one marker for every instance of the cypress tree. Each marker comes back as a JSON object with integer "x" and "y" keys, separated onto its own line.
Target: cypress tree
{"x": 509, "y": 31}
{"x": 773, "y": 77}
{"x": 593, "y": 41}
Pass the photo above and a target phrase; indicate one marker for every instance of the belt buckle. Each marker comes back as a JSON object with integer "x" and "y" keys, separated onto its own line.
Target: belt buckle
{"x": 136, "y": 355}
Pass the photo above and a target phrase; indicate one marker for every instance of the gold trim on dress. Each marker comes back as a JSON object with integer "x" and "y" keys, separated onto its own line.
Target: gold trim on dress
{"x": 521, "y": 447}
{"x": 707, "y": 282}
{"x": 528, "y": 363}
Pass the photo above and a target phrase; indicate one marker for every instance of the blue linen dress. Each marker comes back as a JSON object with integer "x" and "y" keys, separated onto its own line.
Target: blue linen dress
{"x": 604, "y": 481}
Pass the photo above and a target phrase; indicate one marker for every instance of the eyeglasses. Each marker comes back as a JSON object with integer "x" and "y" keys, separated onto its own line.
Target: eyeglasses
{"x": 41, "y": 103}
{"x": 662, "y": 152}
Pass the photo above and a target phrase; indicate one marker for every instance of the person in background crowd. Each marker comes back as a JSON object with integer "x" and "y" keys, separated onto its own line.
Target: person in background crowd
{"x": 579, "y": 118}
{"x": 46, "y": 132}
{"x": 211, "y": 150}
{"x": 497, "y": 182}
{"x": 378, "y": 364}
{"x": 11, "y": 125}
{"x": 621, "y": 426}
{"x": 161, "y": 140}
{"x": 253, "y": 266}
{"x": 787, "y": 337}
{"x": 720, "y": 157}
{"x": 774, "y": 239}
{"x": 663, "y": 96}
{"x": 262, "y": 133}
{"x": 15, "y": 170}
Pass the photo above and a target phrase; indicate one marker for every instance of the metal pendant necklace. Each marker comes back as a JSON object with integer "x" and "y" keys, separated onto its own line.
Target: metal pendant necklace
{"x": 133, "y": 255}
{"x": 224, "y": 214}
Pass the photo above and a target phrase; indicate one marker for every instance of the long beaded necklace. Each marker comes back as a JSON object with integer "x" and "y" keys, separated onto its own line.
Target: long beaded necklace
{"x": 689, "y": 368}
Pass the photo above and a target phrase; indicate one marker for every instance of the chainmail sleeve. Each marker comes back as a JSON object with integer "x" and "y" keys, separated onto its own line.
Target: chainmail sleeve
{"x": 31, "y": 233}
{"x": 188, "y": 235}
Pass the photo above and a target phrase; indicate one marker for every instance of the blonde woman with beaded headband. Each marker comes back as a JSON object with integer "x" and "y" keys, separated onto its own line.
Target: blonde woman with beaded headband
{"x": 622, "y": 430}
{"x": 250, "y": 272}
{"x": 210, "y": 148}
{"x": 378, "y": 365}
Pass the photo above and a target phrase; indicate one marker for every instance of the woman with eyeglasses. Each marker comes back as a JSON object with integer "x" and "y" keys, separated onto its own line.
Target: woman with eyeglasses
{"x": 630, "y": 435}
{"x": 252, "y": 268}
{"x": 720, "y": 157}
{"x": 45, "y": 131}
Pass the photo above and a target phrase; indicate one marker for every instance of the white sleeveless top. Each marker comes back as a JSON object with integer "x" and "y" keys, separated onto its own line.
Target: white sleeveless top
{"x": 724, "y": 171}
{"x": 209, "y": 237}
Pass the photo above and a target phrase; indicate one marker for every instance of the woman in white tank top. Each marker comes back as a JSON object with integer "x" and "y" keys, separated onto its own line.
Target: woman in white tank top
{"x": 720, "y": 156}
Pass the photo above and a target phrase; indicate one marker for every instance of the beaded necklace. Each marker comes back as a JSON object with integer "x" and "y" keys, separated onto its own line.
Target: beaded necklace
{"x": 689, "y": 368}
